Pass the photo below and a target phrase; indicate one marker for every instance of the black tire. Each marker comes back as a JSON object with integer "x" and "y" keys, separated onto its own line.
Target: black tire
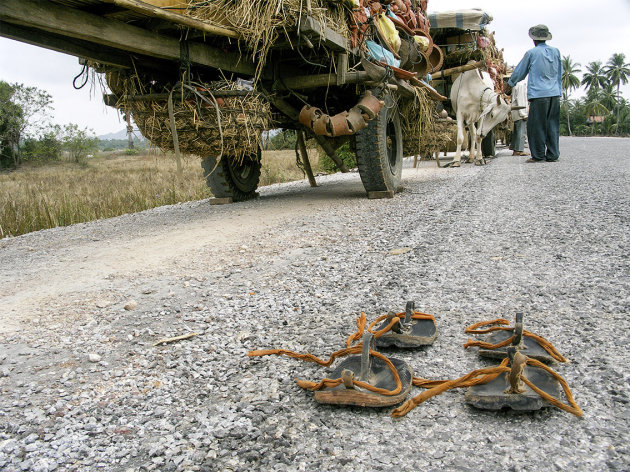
{"x": 233, "y": 179}
{"x": 487, "y": 145}
{"x": 380, "y": 150}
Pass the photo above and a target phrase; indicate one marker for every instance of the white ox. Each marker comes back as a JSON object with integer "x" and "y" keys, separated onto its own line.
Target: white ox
{"x": 479, "y": 107}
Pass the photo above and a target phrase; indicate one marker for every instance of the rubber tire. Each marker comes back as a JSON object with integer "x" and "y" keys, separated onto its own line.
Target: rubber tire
{"x": 487, "y": 145}
{"x": 380, "y": 150}
{"x": 238, "y": 181}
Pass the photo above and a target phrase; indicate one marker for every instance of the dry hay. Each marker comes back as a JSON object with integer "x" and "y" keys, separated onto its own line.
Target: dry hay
{"x": 491, "y": 55}
{"x": 417, "y": 122}
{"x": 461, "y": 56}
{"x": 206, "y": 126}
{"x": 262, "y": 23}
{"x": 434, "y": 139}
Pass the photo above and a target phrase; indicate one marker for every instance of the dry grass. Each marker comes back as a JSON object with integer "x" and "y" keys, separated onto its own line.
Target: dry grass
{"x": 60, "y": 194}
{"x": 280, "y": 166}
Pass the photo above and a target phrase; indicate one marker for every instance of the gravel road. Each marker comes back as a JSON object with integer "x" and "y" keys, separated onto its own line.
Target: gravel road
{"x": 82, "y": 386}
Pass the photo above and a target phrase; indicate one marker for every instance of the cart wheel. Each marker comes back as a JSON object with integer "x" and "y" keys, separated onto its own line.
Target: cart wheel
{"x": 380, "y": 150}
{"x": 487, "y": 145}
{"x": 231, "y": 178}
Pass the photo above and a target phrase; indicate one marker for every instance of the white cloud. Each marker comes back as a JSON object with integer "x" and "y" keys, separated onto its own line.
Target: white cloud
{"x": 54, "y": 73}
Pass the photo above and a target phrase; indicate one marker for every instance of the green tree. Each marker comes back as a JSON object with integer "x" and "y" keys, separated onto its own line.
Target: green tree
{"x": 285, "y": 139}
{"x": 570, "y": 81}
{"x": 594, "y": 78}
{"x": 608, "y": 96}
{"x": 618, "y": 72}
{"x": 623, "y": 123}
{"x": 79, "y": 143}
{"x": 25, "y": 111}
{"x": 594, "y": 107}
{"x": 47, "y": 147}
{"x": 10, "y": 118}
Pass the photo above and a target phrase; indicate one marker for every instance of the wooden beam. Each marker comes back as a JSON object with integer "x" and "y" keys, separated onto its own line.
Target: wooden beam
{"x": 304, "y": 156}
{"x": 94, "y": 52}
{"x": 342, "y": 68}
{"x": 456, "y": 70}
{"x": 320, "y": 80}
{"x": 68, "y": 22}
{"x": 317, "y": 32}
{"x": 176, "y": 18}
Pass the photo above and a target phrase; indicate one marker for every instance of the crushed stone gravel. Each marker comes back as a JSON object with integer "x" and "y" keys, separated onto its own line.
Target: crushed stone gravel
{"x": 82, "y": 386}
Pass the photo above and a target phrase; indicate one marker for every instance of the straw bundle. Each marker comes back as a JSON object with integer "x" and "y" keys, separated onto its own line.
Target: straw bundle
{"x": 462, "y": 56}
{"x": 435, "y": 139}
{"x": 417, "y": 121}
{"x": 262, "y": 22}
{"x": 231, "y": 128}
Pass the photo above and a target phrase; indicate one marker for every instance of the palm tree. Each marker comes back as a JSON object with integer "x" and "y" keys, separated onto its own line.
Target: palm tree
{"x": 570, "y": 81}
{"x": 623, "y": 124}
{"x": 594, "y": 108}
{"x": 608, "y": 96}
{"x": 594, "y": 77}
{"x": 618, "y": 72}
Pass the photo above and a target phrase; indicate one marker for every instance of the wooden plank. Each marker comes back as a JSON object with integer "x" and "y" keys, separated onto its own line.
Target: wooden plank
{"x": 304, "y": 155}
{"x": 176, "y": 18}
{"x": 342, "y": 68}
{"x": 320, "y": 80}
{"x": 220, "y": 201}
{"x": 68, "y": 22}
{"x": 95, "y": 52}
{"x": 317, "y": 32}
{"x": 375, "y": 195}
{"x": 456, "y": 70}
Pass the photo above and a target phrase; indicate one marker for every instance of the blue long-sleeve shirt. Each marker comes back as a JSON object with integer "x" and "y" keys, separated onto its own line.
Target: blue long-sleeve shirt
{"x": 544, "y": 67}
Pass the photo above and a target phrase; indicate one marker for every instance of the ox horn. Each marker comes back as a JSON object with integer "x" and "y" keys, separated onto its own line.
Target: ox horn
{"x": 514, "y": 108}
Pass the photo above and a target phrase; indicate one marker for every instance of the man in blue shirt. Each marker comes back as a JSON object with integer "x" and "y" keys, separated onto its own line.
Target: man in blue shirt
{"x": 544, "y": 67}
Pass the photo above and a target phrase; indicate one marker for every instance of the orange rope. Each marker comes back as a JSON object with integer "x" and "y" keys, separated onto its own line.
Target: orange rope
{"x": 482, "y": 376}
{"x": 472, "y": 329}
{"x": 547, "y": 346}
{"x": 572, "y": 408}
{"x": 486, "y": 374}
{"x": 331, "y": 383}
{"x": 361, "y": 322}
{"x": 308, "y": 357}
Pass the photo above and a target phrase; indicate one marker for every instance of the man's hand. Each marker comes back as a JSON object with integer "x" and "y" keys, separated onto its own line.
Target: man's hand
{"x": 507, "y": 89}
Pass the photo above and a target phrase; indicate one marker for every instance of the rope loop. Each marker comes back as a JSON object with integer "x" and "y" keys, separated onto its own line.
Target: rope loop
{"x": 489, "y": 327}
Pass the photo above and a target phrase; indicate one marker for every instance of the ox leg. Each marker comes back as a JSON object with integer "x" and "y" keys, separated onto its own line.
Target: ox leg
{"x": 457, "y": 161}
{"x": 472, "y": 157}
{"x": 481, "y": 161}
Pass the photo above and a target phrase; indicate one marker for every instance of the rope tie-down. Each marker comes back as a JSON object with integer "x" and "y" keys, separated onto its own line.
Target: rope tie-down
{"x": 347, "y": 379}
{"x": 350, "y": 349}
{"x": 489, "y": 328}
{"x": 483, "y": 376}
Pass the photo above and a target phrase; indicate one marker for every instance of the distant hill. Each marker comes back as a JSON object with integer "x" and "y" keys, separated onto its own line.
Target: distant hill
{"x": 119, "y": 140}
{"x": 122, "y": 134}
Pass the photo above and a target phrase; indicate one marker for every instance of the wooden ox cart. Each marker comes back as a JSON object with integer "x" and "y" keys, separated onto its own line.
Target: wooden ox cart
{"x": 209, "y": 77}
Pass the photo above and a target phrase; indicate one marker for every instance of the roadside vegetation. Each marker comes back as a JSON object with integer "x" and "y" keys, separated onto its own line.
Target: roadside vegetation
{"x": 38, "y": 196}
{"x": 53, "y": 175}
{"x": 603, "y": 111}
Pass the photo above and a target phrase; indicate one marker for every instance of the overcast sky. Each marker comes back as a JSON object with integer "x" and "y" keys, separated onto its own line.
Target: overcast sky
{"x": 585, "y": 30}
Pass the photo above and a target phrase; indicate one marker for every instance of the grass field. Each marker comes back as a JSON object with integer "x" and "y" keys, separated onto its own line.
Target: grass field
{"x": 112, "y": 184}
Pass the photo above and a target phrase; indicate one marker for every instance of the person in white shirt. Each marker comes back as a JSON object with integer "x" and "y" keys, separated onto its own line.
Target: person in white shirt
{"x": 519, "y": 98}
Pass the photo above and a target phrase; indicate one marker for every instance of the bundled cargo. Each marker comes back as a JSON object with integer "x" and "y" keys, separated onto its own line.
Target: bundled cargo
{"x": 208, "y": 77}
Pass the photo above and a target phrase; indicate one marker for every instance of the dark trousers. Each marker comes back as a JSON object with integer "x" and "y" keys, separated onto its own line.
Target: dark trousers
{"x": 543, "y": 128}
